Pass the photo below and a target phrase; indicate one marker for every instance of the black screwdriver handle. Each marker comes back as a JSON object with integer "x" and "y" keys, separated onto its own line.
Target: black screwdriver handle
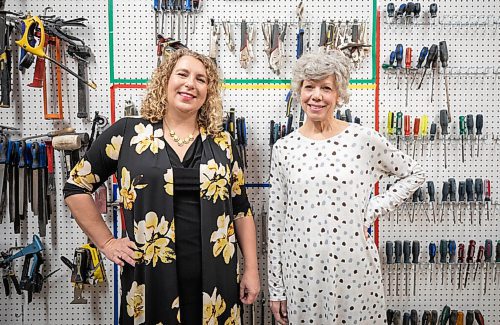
{"x": 389, "y": 252}
{"x": 479, "y": 124}
{"x": 390, "y": 9}
{"x": 415, "y": 250}
{"x": 469, "y": 189}
{"x": 488, "y": 250}
{"x": 470, "y": 124}
{"x": 471, "y": 250}
{"x": 398, "y": 249}
{"x": 478, "y": 189}
{"x": 406, "y": 251}
{"x": 453, "y": 189}
{"x": 422, "y": 56}
{"x": 443, "y": 251}
{"x": 433, "y": 8}
{"x": 413, "y": 317}
{"x": 431, "y": 55}
{"x": 461, "y": 191}
{"x": 445, "y": 192}
{"x": 461, "y": 253}
{"x": 433, "y": 131}
{"x": 443, "y": 54}
{"x": 443, "y": 121}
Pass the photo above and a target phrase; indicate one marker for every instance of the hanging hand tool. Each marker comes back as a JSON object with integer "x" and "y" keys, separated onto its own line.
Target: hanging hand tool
{"x": 399, "y": 125}
{"x": 187, "y": 9}
{"x": 407, "y": 70}
{"x": 413, "y": 317}
{"x": 432, "y": 135}
{"x": 401, "y": 11}
{"x": 433, "y": 8}
{"x": 4, "y": 145}
{"x": 460, "y": 318}
{"x": 426, "y": 317}
{"x": 178, "y": 10}
{"x": 390, "y": 123}
{"x": 479, "y": 128}
{"x": 389, "y": 252}
{"x": 479, "y": 260}
{"x": 415, "y": 248}
{"x": 460, "y": 260}
{"x": 478, "y": 189}
{"x": 445, "y": 315}
{"x": 423, "y": 131}
{"x": 443, "y": 252}
{"x": 390, "y": 10}
{"x": 389, "y": 315}
{"x": 443, "y": 122}
{"x": 453, "y": 197}
{"x": 443, "y": 55}
{"x": 31, "y": 24}
{"x": 22, "y": 182}
{"x": 461, "y": 200}
{"x": 12, "y": 182}
{"x": 410, "y": 7}
{"x": 406, "y": 261}
{"x": 51, "y": 134}
{"x": 452, "y": 252}
{"x": 453, "y": 317}
{"x": 421, "y": 203}
{"x": 469, "y": 189}
{"x": 430, "y": 58}
{"x": 277, "y": 39}
{"x": 156, "y": 8}
{"x": 445, "y": 191}
{"x": 396, "y": 318}
{"x": 5, "y": 61}
{"x": 214, "y": 40}
{"x": 488, "y": 253}
{"x": 416, "y": 129}
{"x": 322, "y": 37}
{"x": 487, "y": 197}
{"x": 434, "y": 317}
{"x": 479, "y": 317}
{"x": 81, "y": 54}
{"x": 470, "y": 259}
{"x": 421, "y": 59}
{"x": 398, "y": 250}
{"x": 470, "y": 132}
{"x": 469, "y": 319}
{"x": 228, "y": 36}
{"x": 462, "y": 127}
{"x": 406, "y": 318}
{"x": 9, "y": 276}
{"x": 247, "y": 38}
{"x": 434, "y": 76}
{"x": 407, "y": 126}
{"x": 432, "y": 199}
{"x": 497, "y": 260}
{"x": 70, "y": 145}
{"x": 432, "y": 259}
{"x": 399, "y": 61}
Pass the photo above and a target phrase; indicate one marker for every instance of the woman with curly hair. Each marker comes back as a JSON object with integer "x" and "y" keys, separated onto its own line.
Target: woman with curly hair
{"x": 184, "y": 202}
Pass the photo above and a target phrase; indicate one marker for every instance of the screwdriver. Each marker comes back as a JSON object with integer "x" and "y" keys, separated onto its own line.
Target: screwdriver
{"x": 487, "y": 197}
{"x": 443, "y": 252}
{"x": 401, "y": 11}
{"x": 389, "y": 313}
{"x": 462, "y": 134}
{"x": 388, "y": 186}
{"x": 479, "y": 317}
{"x": 414, "y": 202}
{"x": 488, "y": 252}
{"x": 461, "y": 199}
{"x": 430, "y": 58}
{"x": 470, "y": 258}
{"x": 470, "y": 197}
{"x": 479, "y": 129}
{"x": 443, "y": 55}
{"x": 389, "y": 252}
{"x": 460, "y": 318}
{"x": 416, "y": 10}
{"x": 443, "y": 122}
{"x": 399, "y": 60}
{"x": 407, "y": 67}
{"x": 426, "y": 317}
{"x": 406, "y": 319}
{"x": 398, "y": 249}
{"x": 479, "y": 259}
{"x": 390, "y": 123}
{"x": 432, "y": 134}
{"x": 478, "y": 187}
{"x": 461, "y": 259}
{"x": 469, "y": 319}
{"x": 396, "y": 318}
{"x": 416, "y": 129}
{"x": 497, "y": 260}
{"x": 406, "y": 257}
{"x": 421, "y": 203}
{"x": 435, "y": 71}
{"x": 413, "y": 317}
{"x": 445, "y": 315}
{"x": 453, "y": 197}
{"x": 453, "y": 317}
{"x": 415, "y": 250}
{"x": 410, "y": 7}
{"x": 423, "y": 130}
{"x": 452, "y": 252}
{"x": 390, "y": 10}
{"x": 445, "y": 191}
{"x": 434, "y": 317}
{"x": 470, "y": 132}
{"x": 432, "y": 259}
{"x": 421, "y": 59}
{"x": 407, "y": 130}
{"x": 399, "y": 125}
{"x": 433, "y": 8}
{"x": 432, "y": 199}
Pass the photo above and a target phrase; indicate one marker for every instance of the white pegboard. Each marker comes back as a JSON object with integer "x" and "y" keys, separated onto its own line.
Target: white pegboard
{"x": 473, "y": 61}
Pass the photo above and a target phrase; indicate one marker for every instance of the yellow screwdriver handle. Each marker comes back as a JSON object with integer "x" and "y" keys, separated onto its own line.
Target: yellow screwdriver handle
{"x": 390, "y": 123}
{"x": 423, "y": 125}
{"x": 30, "y": 24}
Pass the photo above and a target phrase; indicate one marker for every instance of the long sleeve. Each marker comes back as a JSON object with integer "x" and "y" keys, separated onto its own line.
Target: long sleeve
{"x": 241, "y": 206}
{"x": 389, "y": 161}
{"x": 98, "y": 163}
{"x": 276, "y": 224}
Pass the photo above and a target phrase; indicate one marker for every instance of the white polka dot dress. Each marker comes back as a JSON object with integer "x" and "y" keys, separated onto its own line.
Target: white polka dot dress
{"x": 318, "y": 257}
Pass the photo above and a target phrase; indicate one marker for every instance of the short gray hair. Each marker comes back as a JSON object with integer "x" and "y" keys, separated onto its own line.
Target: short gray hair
{"x": 318, "y": 66}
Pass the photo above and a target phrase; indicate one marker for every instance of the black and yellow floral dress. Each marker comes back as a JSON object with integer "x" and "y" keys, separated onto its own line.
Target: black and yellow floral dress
{"x": 136, "y": 151}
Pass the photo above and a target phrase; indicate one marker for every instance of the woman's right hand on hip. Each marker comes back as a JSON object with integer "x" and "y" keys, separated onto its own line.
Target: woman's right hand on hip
{"x": 278, "y": 309}
{"x": 120, "y": 250}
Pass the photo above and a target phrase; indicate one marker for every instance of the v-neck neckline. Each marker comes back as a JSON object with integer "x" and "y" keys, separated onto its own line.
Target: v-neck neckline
{"x": 186, "y": 155}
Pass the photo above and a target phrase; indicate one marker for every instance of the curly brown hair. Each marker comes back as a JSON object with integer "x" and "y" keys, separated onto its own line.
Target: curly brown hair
{"x": 155, "y": 104}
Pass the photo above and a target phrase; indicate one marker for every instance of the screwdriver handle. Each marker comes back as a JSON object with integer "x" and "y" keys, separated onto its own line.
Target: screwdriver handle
{"x": 479, "y": 317}
{"x": 399, "y": 123}
{"x": 433, "y": 131}
{"x": 424, "y": 120}
{"x": 431, "y": 191}
{"x": 443, "y": 251}
{"x": 497, "y": 252}
{"x": 469, "y": 184}
{"x": 487, "y": 190}
{"x": 433, "y": 8}
{"x": 480, "y": 254}
{"x": 488, "y": 250}
{"x": 422, "y": 56}
{"x": 390, "y": 10}
{"x": 452, "y": 250}
{"x": 471, "y": 250}
{"x": 453, "y": 189}
{"x": 461, "y": 191}
{"x": 470, "y": 124}
{"x": 392, "y": 58}
{"x": 478, "y": 187}
{"x": 398, "y": 249}
{"x": 445, "y": 191}
{"x": 432, "y": 252}
{"x": 443, "y": 121}
{"x": 461, "y": 253}
{"x": 390, "y": 123}
{"x": 431, "y": 55}
{"x": 408, "y": 54}
{"x": 479, "y": 124}
{"x": 389, "y": 312}
{"x": 443, "y": 54}
{"x": 406, "y": 251}
{"x": 416, "y": 10}
{"x": 401, "y": 9}
{"x": 406, "y": 319}
{"x": 462, "y": 125}
{"x": 407, "y": 125}
{"x": 415, "y": 250}
{"x": 416, "y": 126}
{"x": 389, "y": 252}
{"x": 413, "y": 317}
{"x": 399, "y": 55}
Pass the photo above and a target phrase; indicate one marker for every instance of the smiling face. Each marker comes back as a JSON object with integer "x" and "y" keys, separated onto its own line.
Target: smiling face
{"x": 187, "y": 86}
{"x": 318, "y": 98}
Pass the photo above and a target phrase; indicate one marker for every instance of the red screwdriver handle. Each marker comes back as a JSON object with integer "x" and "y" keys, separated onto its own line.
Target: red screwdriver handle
{"x": 416, "y": 126}
{"x": 407, "y": 125}
{"x": 471, "y": 251}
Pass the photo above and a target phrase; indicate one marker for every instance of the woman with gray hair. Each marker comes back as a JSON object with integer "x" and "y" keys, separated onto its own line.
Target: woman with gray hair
{"x": 323, "y": 266}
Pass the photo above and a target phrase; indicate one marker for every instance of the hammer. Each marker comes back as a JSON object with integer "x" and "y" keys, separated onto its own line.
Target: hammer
{"x": 70, "y": 144}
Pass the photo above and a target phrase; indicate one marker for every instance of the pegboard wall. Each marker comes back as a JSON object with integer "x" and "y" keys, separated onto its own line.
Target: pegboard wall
{"x": 121, "y": 34}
